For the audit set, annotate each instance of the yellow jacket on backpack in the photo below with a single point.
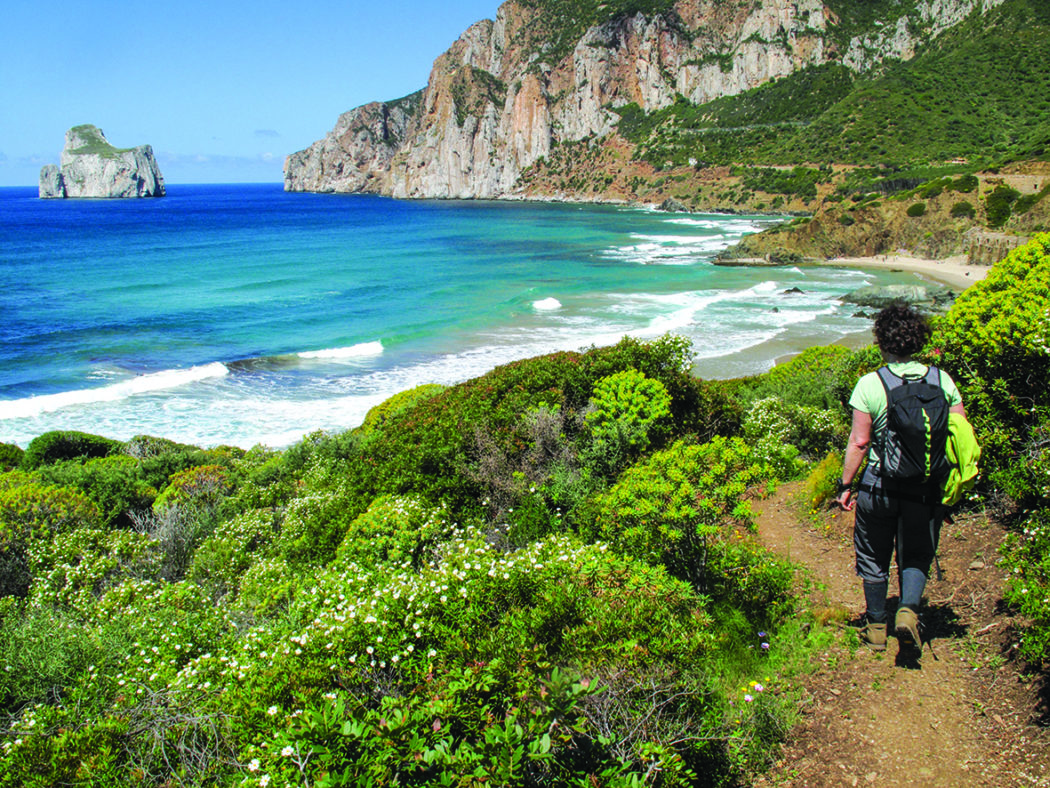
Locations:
(963, 453)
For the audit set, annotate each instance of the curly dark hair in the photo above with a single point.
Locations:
(901, 331)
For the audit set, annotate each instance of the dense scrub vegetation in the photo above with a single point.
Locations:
(543, 576)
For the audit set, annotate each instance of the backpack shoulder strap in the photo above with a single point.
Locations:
(889, 380)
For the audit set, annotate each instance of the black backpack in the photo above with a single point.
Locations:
(913, 447)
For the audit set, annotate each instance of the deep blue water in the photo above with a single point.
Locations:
(242, 314)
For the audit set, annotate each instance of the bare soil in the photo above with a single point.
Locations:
(962, 712)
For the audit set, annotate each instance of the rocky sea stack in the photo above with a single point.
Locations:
(92, 167)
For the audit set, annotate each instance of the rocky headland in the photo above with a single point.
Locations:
(802, 108)
(512, 91)
(92, 167)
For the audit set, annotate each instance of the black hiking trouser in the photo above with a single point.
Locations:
(888, 515)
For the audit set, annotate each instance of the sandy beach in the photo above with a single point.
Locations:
(955, 272)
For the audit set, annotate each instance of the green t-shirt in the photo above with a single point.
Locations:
(869, 395)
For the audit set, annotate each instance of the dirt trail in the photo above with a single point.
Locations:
(961, 713)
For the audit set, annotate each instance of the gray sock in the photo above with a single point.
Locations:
(913, 583)
(875, 599)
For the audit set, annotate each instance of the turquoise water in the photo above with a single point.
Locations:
(243, 315)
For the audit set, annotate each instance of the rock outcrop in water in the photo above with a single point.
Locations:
(543, 74)
(92, 167)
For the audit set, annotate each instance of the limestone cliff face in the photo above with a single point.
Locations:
(496, 102)
(355, 155)
(91, 167)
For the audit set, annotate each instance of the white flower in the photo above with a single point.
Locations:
(264, 781)
(287, 752)
(253, 765)
(272, 710)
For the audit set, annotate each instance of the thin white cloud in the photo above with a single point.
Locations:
(267, 133)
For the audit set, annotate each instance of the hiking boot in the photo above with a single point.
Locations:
(873, 635)
(907, 626)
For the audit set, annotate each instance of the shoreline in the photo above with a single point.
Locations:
(955, 271)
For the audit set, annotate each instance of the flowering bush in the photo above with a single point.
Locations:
(224, 556)
(396, 530)
(77, 568)
(1026, 558)
(32, 512)
(772, 425)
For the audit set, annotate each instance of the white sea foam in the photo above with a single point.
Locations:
(143, 384)
(546, 304)
(361, 350)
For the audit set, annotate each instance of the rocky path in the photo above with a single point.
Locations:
(961, 713)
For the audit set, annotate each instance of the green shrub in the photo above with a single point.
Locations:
(34, 512)
(997, 335)
(431, 448)
(846, 220)
(822, 483)
(627, 414)
(772, 424)
(932, 190)
(313, 528)
(996, 339)
(113, 483)
(998, 206)
(671, 509)
(227, 553)
(75, 569)
(916, 209)
(816, 377)
(66, 445)
(10, 456)
(965, 183)
(395, 529)
(43, 652)
(1026, 560)
(268, 586)
(963, 210)
(378, 416)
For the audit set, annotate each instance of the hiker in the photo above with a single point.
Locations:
(893, 510)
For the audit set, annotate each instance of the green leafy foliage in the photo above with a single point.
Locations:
(115, 484)
(821, 485)
(625, 417)
(1026, 559)
(820, 377)
(998, 205)
(395, 530)
(997, 335)
(10, 456)
(31, 512)
(676, 508)
(916, 209)
(66, 445)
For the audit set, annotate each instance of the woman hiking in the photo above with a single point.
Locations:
(893, 509)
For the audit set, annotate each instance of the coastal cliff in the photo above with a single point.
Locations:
(92, 167)
(512, 92)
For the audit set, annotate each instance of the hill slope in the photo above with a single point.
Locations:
(647, 84)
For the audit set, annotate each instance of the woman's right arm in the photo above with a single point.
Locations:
(856, 448)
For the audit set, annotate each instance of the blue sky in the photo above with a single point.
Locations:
(223, 91)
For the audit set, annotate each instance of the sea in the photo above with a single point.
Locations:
(245, 315)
